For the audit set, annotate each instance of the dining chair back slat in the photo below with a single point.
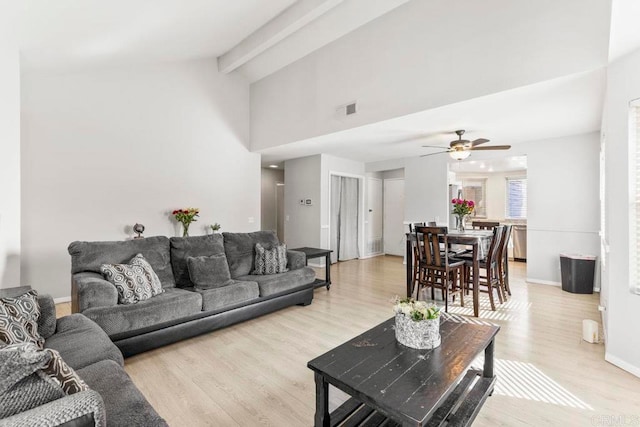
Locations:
(484, 225)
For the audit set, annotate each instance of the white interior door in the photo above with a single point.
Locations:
(393, 222)
(374, 216)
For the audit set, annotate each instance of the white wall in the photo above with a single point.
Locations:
(269, 179)
(301, 182)
(104, 149)
(426, 189)
(563, 207)
(623, 308)
(9, 160)
(400, 64)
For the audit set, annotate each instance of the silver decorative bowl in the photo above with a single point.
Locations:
(423, 334)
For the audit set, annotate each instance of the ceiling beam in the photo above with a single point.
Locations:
(288, 22)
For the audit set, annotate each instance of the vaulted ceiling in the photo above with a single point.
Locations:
(262, 39)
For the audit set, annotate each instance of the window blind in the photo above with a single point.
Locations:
(516, 198)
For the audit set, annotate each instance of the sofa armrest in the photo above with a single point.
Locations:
(79, 410)
(90, 290)
(296, 259)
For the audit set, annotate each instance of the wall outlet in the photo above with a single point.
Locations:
(286, 218)
(251, 220)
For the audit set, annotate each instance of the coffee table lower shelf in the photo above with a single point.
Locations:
(459, 409)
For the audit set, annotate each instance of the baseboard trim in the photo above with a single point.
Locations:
(372, 255)
(635, 370)
(543, 282)
(62, 300)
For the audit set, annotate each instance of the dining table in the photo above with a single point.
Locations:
(479, 242)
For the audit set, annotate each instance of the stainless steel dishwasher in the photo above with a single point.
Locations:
(520, 242)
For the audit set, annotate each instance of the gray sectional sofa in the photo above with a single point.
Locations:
(113, 399)
(183, 311)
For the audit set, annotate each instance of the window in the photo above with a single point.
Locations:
(475, 189)
(516, 198)
(634, 223)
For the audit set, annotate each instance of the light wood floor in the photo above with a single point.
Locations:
(255, 373)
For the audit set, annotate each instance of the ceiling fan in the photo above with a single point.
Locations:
(461, 148)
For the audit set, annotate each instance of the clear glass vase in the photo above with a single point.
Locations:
(185, 230)
(460, 222)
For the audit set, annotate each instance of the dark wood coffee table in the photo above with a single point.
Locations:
(394, 385)
(319, 253)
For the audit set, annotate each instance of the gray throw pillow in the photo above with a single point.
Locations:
(270, 260)
(19, 319)
(135, 281)
(208, 272)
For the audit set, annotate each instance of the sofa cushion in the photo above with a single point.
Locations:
(281, 283)
(124, 403)
(89, 256)
(235, 293)
(208, 272)
(81, 342)
(195, 246)
(132, 282)
(174, 304)
(240, 250)
(271, 260)
(47, 320)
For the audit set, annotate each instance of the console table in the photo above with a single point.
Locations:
(319, 253)
(394, 385)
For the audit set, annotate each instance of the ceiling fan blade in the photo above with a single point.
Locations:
(479, 141)
(491, 147)
(433, 154)
(435, 146)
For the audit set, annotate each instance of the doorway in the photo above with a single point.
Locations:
(344, 237)
(393, 217)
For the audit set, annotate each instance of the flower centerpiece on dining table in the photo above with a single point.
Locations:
(186, 217)
(462, 208)
(417, 323)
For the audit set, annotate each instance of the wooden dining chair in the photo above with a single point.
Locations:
(412, 226)
(503, 261)
(490, 280)
(484, 225)
(436, 269)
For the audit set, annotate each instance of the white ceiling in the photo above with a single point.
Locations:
(84, 33)
(560, 107)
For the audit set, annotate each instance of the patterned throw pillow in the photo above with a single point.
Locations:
(133, 281)
(19, 319)
(156, 286)
(63, 374)
(270, 260)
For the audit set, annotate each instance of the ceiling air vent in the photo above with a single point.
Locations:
(351, 109)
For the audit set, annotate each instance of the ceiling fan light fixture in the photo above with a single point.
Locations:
(460, 154)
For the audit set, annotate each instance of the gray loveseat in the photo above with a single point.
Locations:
(182, 311)
(86, 348)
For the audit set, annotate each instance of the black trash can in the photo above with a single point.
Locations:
(578, 272)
